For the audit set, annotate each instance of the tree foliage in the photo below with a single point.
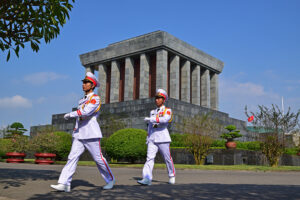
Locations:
(44, 143)
(276, 124)
(201, 131)
(15, 128)
(23, 21)
(273, 119)
(272, 147)
(19, 143)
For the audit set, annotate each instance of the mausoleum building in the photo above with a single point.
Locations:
(131, 70)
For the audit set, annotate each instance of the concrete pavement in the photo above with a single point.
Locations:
(29, 181)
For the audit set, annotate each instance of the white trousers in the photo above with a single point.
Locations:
(164, 149)
(78, 147)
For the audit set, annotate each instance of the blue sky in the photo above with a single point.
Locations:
(258, 40)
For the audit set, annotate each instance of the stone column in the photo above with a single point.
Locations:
(115, 82)
(161, 69)
(205, 89)
(196, 85)
(129, 76)
(174, 77)
(102, 76)
(214, 91)
(185, 81)
(89, 69)
(144, 76)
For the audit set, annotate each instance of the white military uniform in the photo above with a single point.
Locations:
(159, 139)
(86, 135)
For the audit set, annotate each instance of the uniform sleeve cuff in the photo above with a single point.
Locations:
(74, 114)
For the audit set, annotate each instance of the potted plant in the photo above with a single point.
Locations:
(44, 144)
(17, 148)
(230, 135)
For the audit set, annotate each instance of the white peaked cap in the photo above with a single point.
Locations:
(161, 93)
(91, 77)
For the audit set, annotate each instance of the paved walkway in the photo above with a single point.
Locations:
(29, 181)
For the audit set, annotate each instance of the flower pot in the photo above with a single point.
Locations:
(230, 145)
(15, 157)
(44, 158)
(298, 154)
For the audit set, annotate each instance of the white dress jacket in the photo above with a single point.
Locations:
(158, 125)
(86, 126)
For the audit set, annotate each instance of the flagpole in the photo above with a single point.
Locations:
(282, 107)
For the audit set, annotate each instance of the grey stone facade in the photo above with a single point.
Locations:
(164, 62)
(133, 113)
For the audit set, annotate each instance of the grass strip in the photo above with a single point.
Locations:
(184, 166)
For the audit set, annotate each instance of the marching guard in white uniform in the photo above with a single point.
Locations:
(158, 138)
(86, 135)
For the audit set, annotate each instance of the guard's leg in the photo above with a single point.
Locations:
(148, 167)
(94, 147)
(69, 169)
(164, 149)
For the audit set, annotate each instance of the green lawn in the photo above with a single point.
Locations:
(183, 166)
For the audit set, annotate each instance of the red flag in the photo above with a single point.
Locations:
(251, 118)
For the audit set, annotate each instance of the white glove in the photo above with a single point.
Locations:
(67, 116)
(152, 119)
(147, 119)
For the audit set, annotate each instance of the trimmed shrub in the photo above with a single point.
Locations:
(5, 144)
(292, 151)
(177, 140)
(128, 144)
(19, 143)
(44, 143)
(103, 142)
(63, 146)
(253, 146)
(218, 143)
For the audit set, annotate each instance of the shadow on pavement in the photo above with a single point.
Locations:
(181, 191)
(18, 177)
(77, 183)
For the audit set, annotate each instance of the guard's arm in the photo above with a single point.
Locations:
(164, 119)
(88, 109)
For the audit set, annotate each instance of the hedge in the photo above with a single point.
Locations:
(4, 146)
(128, 144)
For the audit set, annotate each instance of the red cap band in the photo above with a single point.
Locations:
(93, 81)
(160, 94)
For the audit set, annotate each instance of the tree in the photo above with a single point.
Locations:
(23, 21)
(274, 120)
(201, 131)
(16, 128)
(275, 124)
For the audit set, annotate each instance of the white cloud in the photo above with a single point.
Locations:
(15, 102)
(234, 96)
(240, 90)
(41, 100)
(42, 77)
